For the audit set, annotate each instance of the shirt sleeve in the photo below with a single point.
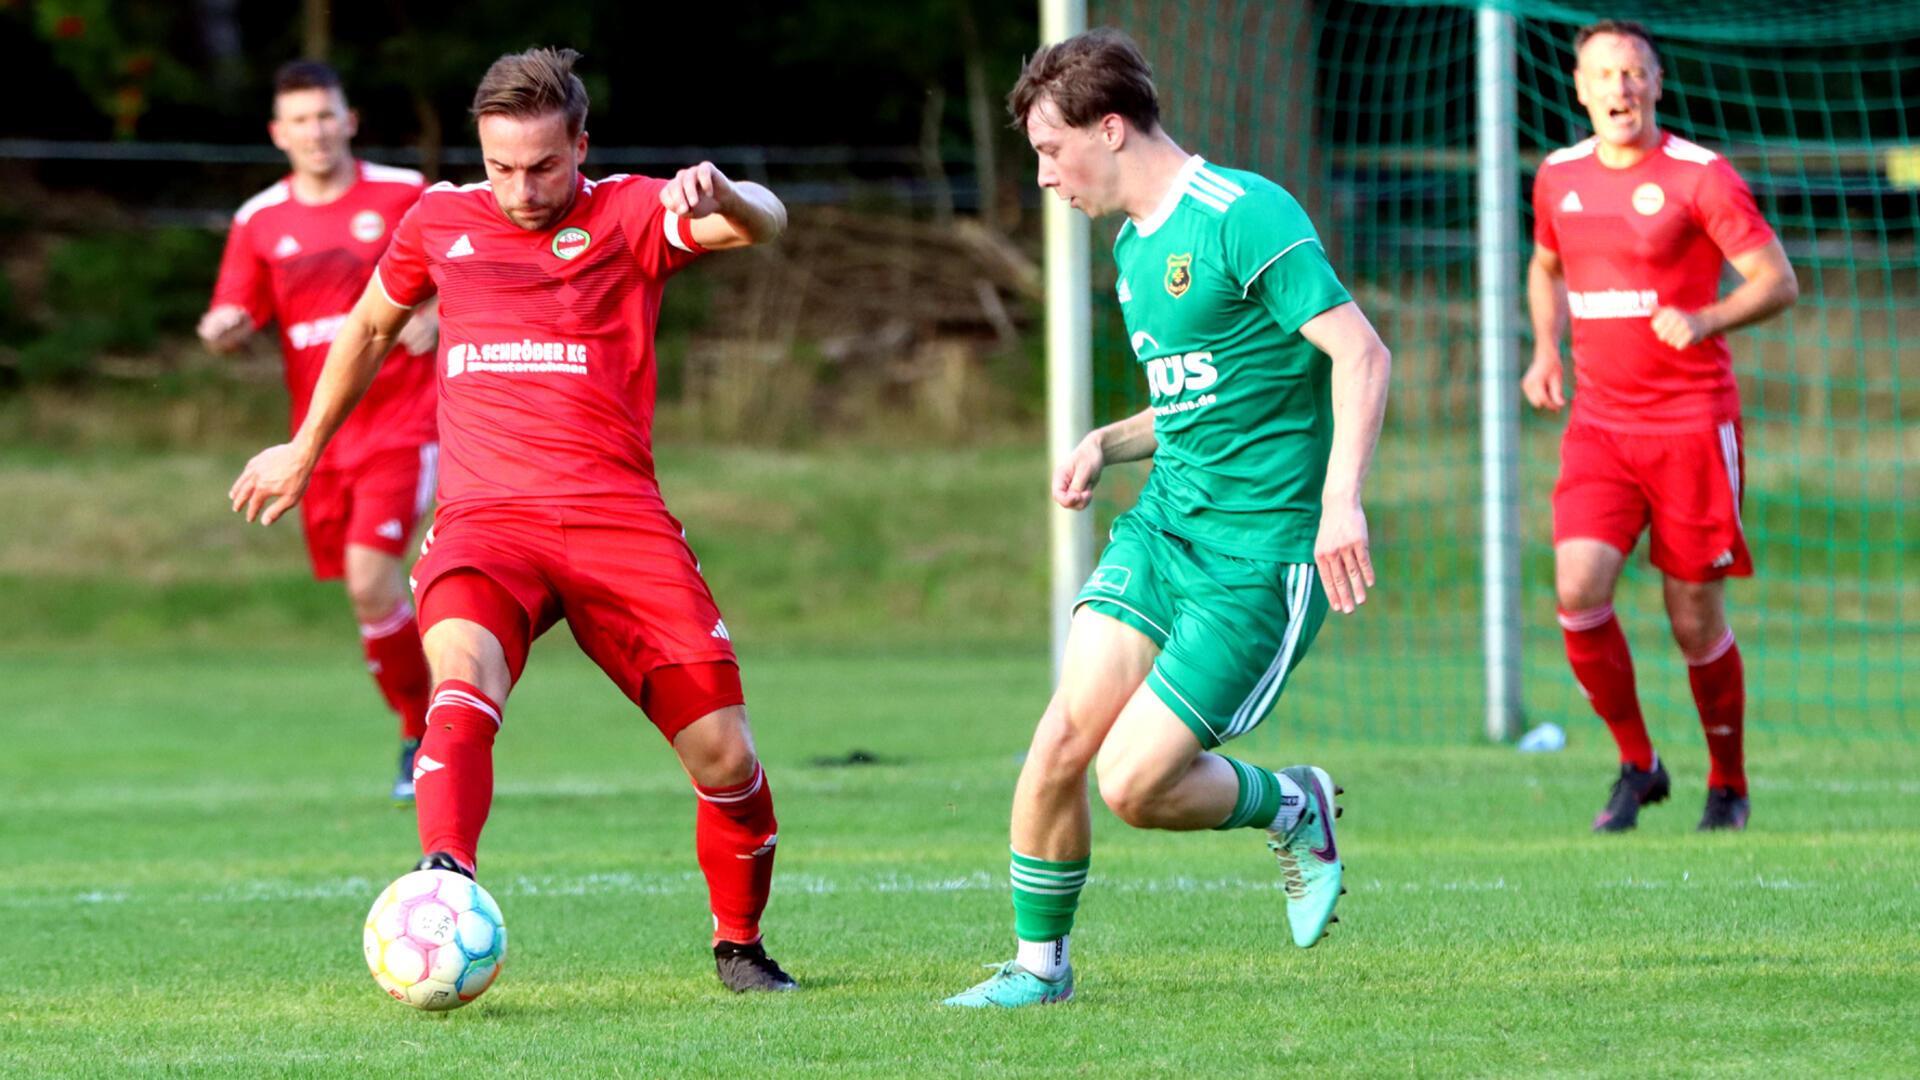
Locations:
(243, 277)
(662, 242)
(1543, 233)
(1274, 254)
(1724, 206)
(403, 273)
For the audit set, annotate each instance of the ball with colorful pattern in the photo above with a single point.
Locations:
(434, 940)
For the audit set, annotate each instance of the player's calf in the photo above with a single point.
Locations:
(453, 770)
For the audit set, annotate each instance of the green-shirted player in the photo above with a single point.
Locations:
(1268, 386)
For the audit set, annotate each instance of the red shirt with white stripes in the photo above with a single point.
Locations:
(546, 338)
(1655, 234)
(303, 267)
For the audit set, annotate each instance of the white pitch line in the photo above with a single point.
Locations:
(691, 883)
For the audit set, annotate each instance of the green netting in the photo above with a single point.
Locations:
(1368, 113)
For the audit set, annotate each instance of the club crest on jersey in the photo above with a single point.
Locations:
(569, 243)
(367, 226)
(1648, 199)
(1179, 274)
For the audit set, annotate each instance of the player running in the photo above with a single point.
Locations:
(298, 254)
(1631, 227)
(550, 286)
(1268, 386)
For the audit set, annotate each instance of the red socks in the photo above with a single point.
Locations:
(1598, 652)
(399, 667)
(1720, 692)
(734, 832)
(453, 771)
(1604, 667)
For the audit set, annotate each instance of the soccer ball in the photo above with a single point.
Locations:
(434, 940)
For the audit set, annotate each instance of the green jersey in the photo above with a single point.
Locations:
(1215, 286)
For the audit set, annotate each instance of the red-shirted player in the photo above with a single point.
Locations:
(1631, 229)
(299, 254)
(550, 288)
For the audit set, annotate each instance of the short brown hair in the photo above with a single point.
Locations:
(534, 83)
(1618, 28)
(305, 75)
(1088, 76)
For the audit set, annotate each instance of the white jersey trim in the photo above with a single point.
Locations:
(1171, 200)
(429, 478)
(1581, 149)
(383, 292)
(448, 186)
(670, 224)
(1270, 262)
(1730, 459)
(391, 174)
(273, 196)
(1683, 150)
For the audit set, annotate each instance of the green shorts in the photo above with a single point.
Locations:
(1230, 630)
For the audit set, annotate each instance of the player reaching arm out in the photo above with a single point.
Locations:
(275, 478)
(724, 214)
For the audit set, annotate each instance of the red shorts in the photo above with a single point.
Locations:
(1613, 485)
(623, 578)
(373, 504)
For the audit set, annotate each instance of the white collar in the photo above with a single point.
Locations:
(1171, 200)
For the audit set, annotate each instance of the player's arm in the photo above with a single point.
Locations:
(238, 293)
(1544, 382)
(421, 334)
(1361, 369)
(1767, 287)
(274, 480)
(724, 213)
(1123, 440)
(225, 328)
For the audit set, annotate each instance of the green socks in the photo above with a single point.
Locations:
(1267, 799)
(1045, 896)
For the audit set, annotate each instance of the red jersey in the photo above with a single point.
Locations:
(546, 338)
(1631, 241)
(304, 267)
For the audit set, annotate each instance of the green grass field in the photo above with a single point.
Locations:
(192, 821)
(192, 837)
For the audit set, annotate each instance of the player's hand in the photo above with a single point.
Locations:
(1346, 565)
(1074, 480)
(225, 328)
(697, 191)
(1543, 383)
(1679, 329)
(275, 479)
(421, 335)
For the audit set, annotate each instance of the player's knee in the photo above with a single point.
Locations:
(374, 599)
(460, 650)
(728, 765)
(1696, 632)
(1130, 798)
(1132, 789)
(1061, 748)
(717, 749)
(1579, 592)
(1694, 613)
